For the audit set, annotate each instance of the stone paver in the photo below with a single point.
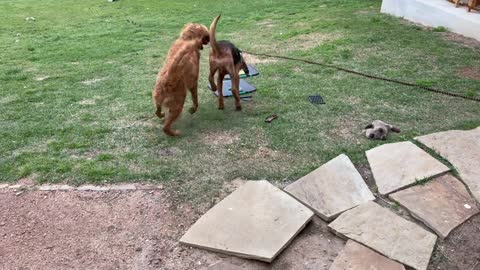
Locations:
(397, 165)
(256, 221)
(93, 188)
(355, 256)
(442, 204)
(54, 187)
(387, 233)
(123, 187)
(331, 189)
(462, 149)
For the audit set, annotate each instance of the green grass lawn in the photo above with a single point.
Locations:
(81, 123)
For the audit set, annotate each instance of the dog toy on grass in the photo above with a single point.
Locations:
(378, 130)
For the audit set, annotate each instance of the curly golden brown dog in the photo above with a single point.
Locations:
(179, 74)
(226, 59)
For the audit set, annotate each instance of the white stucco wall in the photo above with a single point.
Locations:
(436, 13)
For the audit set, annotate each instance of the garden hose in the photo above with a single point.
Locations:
(439, 91)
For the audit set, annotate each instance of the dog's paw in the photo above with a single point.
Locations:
(221, 107)
(192, 110)
(238, 108)
(172, 132)
(160, 115)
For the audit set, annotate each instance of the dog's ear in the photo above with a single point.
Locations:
(369, 126)
(395, 129)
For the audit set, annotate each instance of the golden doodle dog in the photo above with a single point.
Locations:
(226, 59)
(179, 74)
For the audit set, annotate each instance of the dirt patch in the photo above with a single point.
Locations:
(469, 72)
(461, 40)
(41, 78)
(366, 173)
(169, 152)
(91, 154)
(87, 102)
(7, 99)
(347, 128)
(221, 138)
(253, 60)
(93, 81)
(366, 12)
(91, 230)
(265, 152)
(229, 187)
(298, 69)
(312, 40)
(27, 180)
(461, 250)
(298, 42)
(39, 147)
(266, 23)
(127, 230)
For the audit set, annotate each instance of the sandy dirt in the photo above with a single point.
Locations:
(125, 230)
(140, 230)
(470, 73)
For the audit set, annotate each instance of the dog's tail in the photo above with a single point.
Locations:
(213, 41)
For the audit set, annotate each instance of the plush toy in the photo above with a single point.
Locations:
(378, 130)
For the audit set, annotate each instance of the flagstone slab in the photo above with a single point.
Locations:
(397, 165)
(257, 221)
(355, 256)
(442, 204)
(331, 189)
(462, 149)
(387, 233)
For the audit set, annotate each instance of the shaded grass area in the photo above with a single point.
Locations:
(84, 122)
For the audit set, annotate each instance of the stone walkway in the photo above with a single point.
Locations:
(462, 150)
(257, 221)
(331, 189)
